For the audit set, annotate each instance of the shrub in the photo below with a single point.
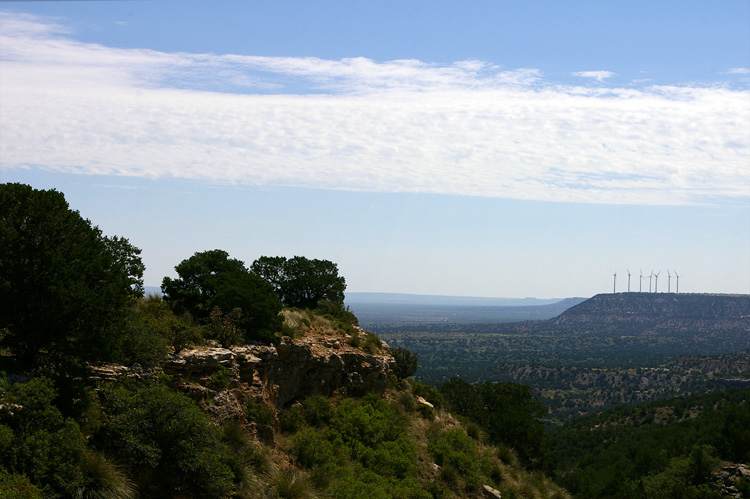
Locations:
(426, 412)
(318, 410)
(104, 478)
(407, 362)
(428, 392)
(407, 401)
(141, 344)
(168, 441)
(456, 448)
(225, 328)
(372, 343)
(39, 441)
(292, 419)
(310, 448)
(179, 331)
(370, 422)
(395, 458)
(17, 486)
(289, 484)
(221, 377)
(354, 340)
(456, 453)
(337, 310)
(259, 412)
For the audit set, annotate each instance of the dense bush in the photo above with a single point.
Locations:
(259, 412)
(39, 442)
(318, 410)
(180, 331)
(166, 440)
(17, 486)
(430, 393)
(360, 446)
(456, 453)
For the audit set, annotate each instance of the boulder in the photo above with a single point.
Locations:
(490, 493)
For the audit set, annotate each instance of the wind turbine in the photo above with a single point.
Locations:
(614, 284)
(669, 282)
(628, 280)
(640, 283)
(649, 281)
(678, 280)
(656, 284)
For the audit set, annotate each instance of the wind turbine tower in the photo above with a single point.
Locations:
(656, 284)
(649, 281)
(640, 283)
(614, 284)
(669, 282)
(628, 280)
(678, 281)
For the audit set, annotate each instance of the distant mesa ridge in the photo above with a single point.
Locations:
(659, 311)
(378, 308)
(416, 299)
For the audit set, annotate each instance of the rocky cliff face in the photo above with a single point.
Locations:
(221, 380)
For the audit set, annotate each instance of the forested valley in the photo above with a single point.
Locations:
(607, 351)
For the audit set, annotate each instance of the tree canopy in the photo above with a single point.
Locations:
(302, 282)
(508, 412)
(62, 283)
(211, 279)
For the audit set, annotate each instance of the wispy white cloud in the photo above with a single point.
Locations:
(739, 71)
(595, 75)
(467, 128)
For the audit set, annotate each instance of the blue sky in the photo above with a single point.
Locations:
(503, 149)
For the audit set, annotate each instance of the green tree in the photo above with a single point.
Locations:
(66, 289)
(211, 279)
(302, 282)
(514, 417)
(407, 362)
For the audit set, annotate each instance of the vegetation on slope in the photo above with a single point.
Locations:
(668, 448)
(79, 302)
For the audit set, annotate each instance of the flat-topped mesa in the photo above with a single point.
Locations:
(660, 310)
(290, 372)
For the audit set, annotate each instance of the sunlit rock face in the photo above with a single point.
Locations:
(277, 376)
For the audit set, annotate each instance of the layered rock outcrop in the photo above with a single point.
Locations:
(222, 379)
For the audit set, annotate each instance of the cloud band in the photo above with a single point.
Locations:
(467, 128)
